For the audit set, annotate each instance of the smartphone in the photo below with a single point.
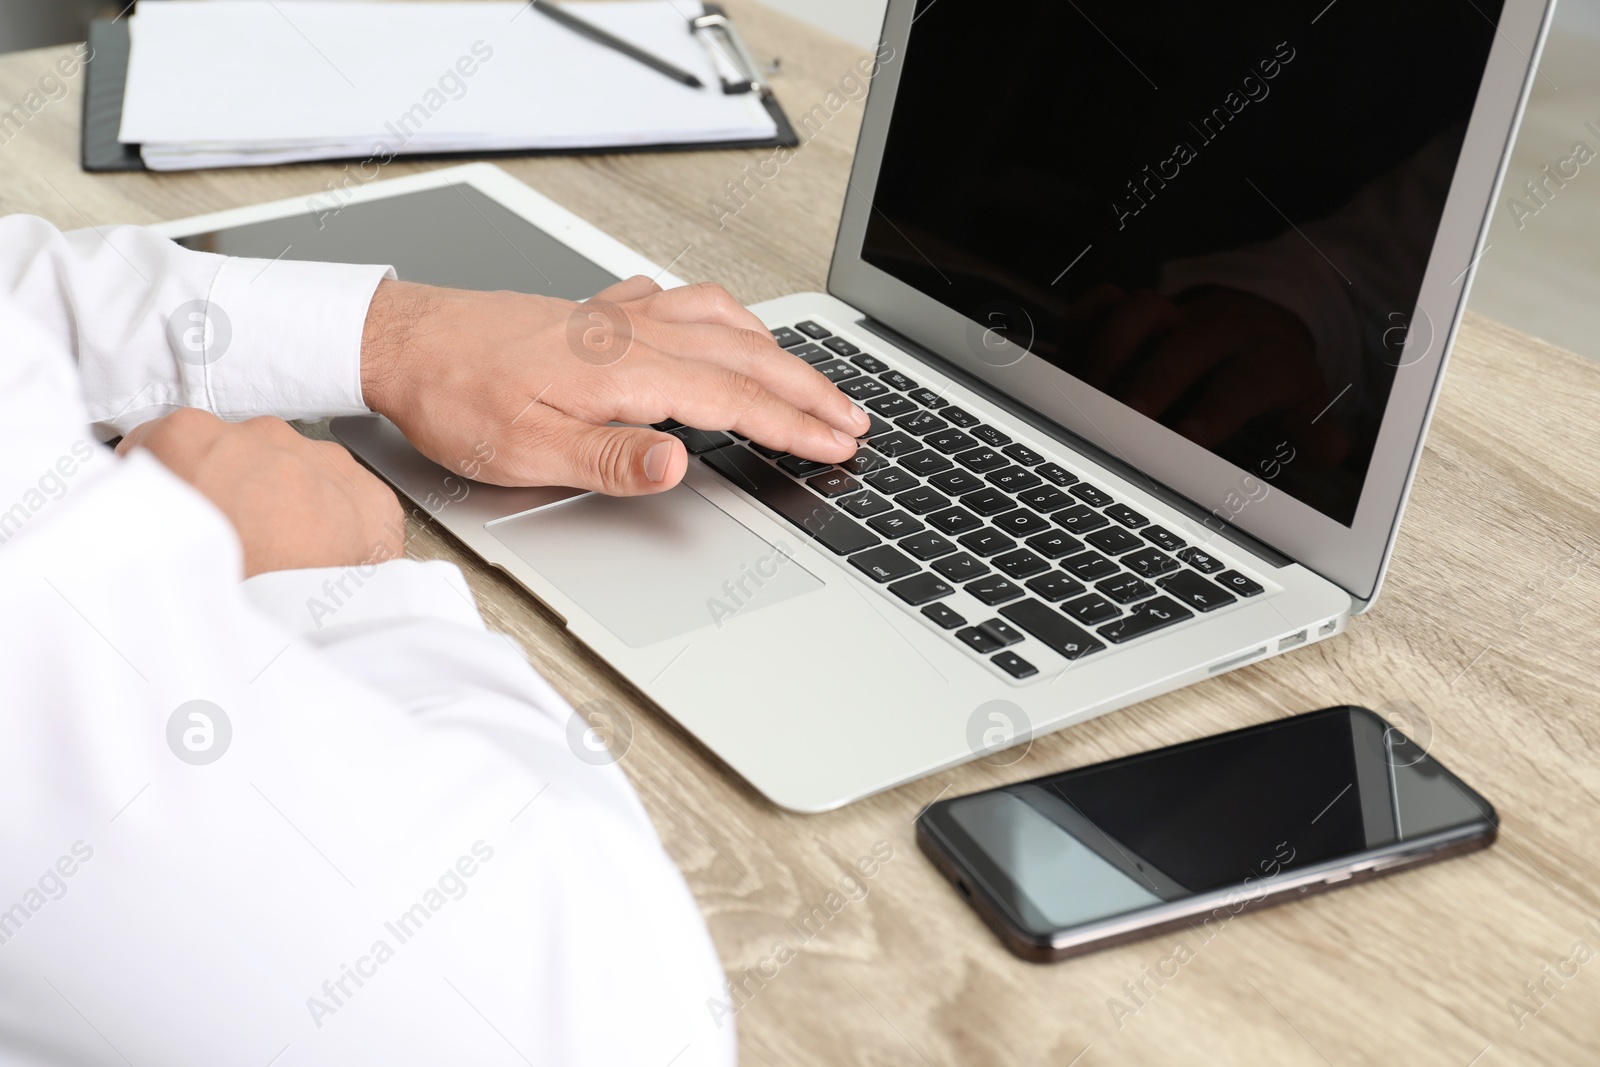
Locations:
(1193, 834)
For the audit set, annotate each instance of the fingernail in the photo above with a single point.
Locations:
(863, 421)
(844, 439)
(656, 460)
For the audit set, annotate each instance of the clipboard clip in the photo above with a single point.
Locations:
(739, 71)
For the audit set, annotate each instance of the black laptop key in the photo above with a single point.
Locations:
(770, 453)
(1014, 665)
(961, 567)
(1091, 609)
(836, 531)
(981, 460)
(1114, 541)
(1022, 454)
(1148, 617)
(892, 406)
(895, 444)
(1056, 473)
(1002, 631)
(876, 427)
(865, 505)
(1089, 567)
(1150, 563)
(1021, 523)
(1162, 537)
(885, 563)
(1019, 564)
(921, 423)
(954, 521)
(1055, 586)
(862, 388)
(891, 480)
(1014, 479)
(951, 441)
(1193, 591)
(813, 330)
(869, 363)
(977, 640)
(895, 380)
(787, 338)
(1055, 544)
(920, 589)
(802, 468)
(1235, 582)
(960, 416)
(1127, 516)
(1094, 497)
(956, 482)
(994, 589)
(986, 542)
(666, 424)
(839, 346)
(895, 524)
(836, 370)
(925, 462)
(1045, 499)
(927, 545)
(926, 397)
(701, 441)
(921, 500)
(944, 616)
(865, 461)
(988, 502)
(1055, 631)
(990, 436)
(811, 353)
(833, 483)
(1080, 520)
(1125, 588)
(1204, 562)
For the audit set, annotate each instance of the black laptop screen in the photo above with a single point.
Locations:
(1217, 214)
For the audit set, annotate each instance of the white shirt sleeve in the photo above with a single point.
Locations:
(156, 326)
(373, 842)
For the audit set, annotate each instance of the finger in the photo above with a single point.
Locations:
(615, 460)
(1142, 317)
(1180, 359)
(131, 439)
(704, 302)
(635, 288)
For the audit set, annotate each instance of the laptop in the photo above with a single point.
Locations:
(1150, 310)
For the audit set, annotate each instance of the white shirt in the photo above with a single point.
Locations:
(398, 858)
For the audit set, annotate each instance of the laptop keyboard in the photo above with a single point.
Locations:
(1004, 551)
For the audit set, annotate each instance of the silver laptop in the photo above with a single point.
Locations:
(1150, 314)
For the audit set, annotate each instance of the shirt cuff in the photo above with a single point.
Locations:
(315, 599)
(284, 338)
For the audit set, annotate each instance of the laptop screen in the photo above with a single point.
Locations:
(1218, 215)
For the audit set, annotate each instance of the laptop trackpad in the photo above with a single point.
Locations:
(653, 567)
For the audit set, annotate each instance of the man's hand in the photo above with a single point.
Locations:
(536, 380)
(294, 502)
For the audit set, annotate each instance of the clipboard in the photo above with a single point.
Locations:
(106, 75)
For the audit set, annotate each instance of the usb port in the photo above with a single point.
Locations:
(1292, 640)
(1327, 628)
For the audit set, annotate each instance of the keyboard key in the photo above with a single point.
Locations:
(993, 590)
(1127, 516)
(1014, 665)
(919, 589)
(927, 545)
(921, 500)
(1090, 495)
(699, 441)
(786, 337)
(1020, 564)
(1057, 633)
(1149, 563)
(990, 436)
(895, 380)
(1125, 588)
(1014, 479)
(1191, 590)
(1114, 541)
(833, 483)
(812, 330)
(1055, 544)
(1080, 520)
(944, 616)
(1021, 523)
(926, 397)
(975, 639)
(876, 427)
(1235, 582)
(770, 453)
(959, 416)
(1161, 537)
(1045, 499)
(1023, 454)
(1055, 586)
(1056, 473)
(920, 423)
(864, 505)
(1091, 609)
(1148, 617)
(988, 502)
(891, 406)
(891, 480)
(801, 468)
(870, 363)
(839, 346)
(954, 521)
(896, 444)
(836, 371)
(895, 524)
(1204, 562)
(986, 542)
(960, 567)
(1002, 631)
(951, 441)
(925, 462)
(956, 482)
(1089, 567)
(835, 530)
(981, 460)
(884, 564)
(811, 353)
(865, 461)
(862, 388)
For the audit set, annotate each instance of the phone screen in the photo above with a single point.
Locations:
(1221, 813)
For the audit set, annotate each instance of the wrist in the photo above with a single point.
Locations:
(389, 341)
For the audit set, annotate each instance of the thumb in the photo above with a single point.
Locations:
(614, 460)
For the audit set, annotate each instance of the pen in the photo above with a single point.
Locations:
(596, 34)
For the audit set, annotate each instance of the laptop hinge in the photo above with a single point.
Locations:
(1167, 495)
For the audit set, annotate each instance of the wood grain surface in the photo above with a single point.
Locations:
(1484, 639)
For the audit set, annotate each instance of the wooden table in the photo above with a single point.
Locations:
(1486, 628)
